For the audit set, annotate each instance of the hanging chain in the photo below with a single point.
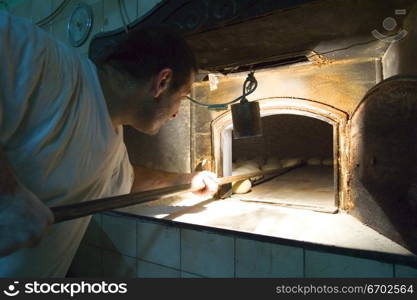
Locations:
(249, 86)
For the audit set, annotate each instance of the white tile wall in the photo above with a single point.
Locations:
(112, 17)
(189, 275)
(93, 1)
(4, 6)
(87, 262)
(177, 159)
(97, 7)
(260, 259)
(40, 9)
(146, 5)
(205, 254)
(405, 271)
(22, 9)
(117, 265)
(119, 234)
(320, 264)
(150, 270)
(106, 15)
(56, 3)
(59, 25)
(158, 243)
(208, 254)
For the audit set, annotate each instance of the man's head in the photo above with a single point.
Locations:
(157, 69)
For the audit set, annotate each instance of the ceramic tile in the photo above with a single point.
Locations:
(260, 259)
(145, 6)
(405, 271)
(21, 9)
(206, 253)
(41, 9)
(59, 25)
(189, 275)
(119, 234)
(321, 264)
(150, 270)
(112, 19)
(97, 25)
(117, 265)
(158, 243)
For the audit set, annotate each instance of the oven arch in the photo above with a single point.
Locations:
(221, 134)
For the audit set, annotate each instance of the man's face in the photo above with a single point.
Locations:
(166, 108)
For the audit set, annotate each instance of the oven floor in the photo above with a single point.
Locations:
(309, 187)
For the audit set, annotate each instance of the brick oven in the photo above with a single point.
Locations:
(328, 109)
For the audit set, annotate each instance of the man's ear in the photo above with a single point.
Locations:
(162, 81)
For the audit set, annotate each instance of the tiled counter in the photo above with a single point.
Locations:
(121, 246)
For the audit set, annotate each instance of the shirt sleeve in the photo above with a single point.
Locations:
(16, 39)
(3, 77)
(33, 67)
(1, 116)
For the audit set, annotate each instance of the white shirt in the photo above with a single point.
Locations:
(58, 136)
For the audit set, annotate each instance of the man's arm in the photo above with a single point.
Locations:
(205, 183)
(149, 179)
(23, 217)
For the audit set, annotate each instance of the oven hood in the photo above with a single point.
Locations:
(226, 34)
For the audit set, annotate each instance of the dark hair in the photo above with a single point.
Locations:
(145, 52)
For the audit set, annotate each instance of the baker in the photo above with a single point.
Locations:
(61, 136)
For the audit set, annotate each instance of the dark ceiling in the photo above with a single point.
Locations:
(230, 33)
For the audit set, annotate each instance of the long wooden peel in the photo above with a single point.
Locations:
(78, 210)
(275, 172)
(82, 209)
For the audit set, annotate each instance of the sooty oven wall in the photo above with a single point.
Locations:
(168, 150)
(340, 84)
(287, 136)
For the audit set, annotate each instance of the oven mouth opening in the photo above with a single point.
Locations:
(303, 127)
(303, 146)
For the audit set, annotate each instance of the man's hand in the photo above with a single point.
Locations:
(24, 219)
(205, 183)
